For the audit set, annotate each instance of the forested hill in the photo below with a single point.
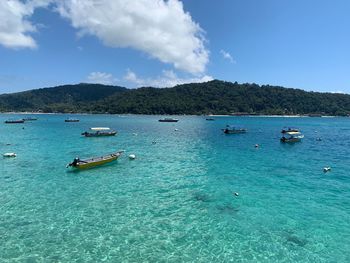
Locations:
(215, 97)
(66, 98)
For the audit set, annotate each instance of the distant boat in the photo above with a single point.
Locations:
(291, 136)
(93, 162)
(210, 119)
(289, 129)
(30, 119)
(71, 120)
(14, 121)
(99, 132)
(168, 120)
(7, 155)
(233, 130)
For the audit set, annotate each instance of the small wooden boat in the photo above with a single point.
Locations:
(93, 162)
(14, 121)
(168, 120)
(99, 132)
(71, 120)
(233, 130)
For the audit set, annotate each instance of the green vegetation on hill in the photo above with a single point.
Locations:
(67, 98)
(215, 97)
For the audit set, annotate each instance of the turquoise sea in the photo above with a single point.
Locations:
(175, 202)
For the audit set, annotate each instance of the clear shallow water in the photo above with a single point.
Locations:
(175, 202)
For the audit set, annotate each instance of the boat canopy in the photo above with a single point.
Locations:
(293, 133)
(99, 128)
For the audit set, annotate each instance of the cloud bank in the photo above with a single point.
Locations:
(159, 28)
(14, 24)
(167, 79)
(101, 78)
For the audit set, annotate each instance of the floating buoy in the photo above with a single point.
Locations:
(176, 129)
(9, 155)
(135, 134)
(326, 169)
(154, 142)
(256, 145)
(132, 156)
(236, 194)
(318, 139)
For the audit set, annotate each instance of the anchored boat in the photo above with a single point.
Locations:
(9, 155)
(71, 120)
(233, 130)
(289, 129)
(30, 118)
(291, 136)
(168, 120)
(95, 161)
(99, 132)
(14, 121)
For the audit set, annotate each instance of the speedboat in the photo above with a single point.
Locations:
(99, 132)
(233, 130)
(95, 161)
(168, 120)
(14, 121)
(291, 137)
(71, 120)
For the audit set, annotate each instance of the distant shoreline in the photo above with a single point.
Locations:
(210, 115)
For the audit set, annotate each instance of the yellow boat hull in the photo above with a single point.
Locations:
(93, 162)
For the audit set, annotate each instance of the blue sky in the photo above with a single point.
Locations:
(296, 44)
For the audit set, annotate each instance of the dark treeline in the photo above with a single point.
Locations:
(214, 97)
(66, 98)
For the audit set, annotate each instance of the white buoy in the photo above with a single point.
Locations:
(256, 145)
(9, 155)
(176, 129)
(236, 194)
(132, 156)
(135, 134)
(326, 169)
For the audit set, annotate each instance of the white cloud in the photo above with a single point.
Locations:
(131, 77)
(161, 29)
(227, 55)
(167, 79)
(338, 92)
(15, 28)
(101, 78)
